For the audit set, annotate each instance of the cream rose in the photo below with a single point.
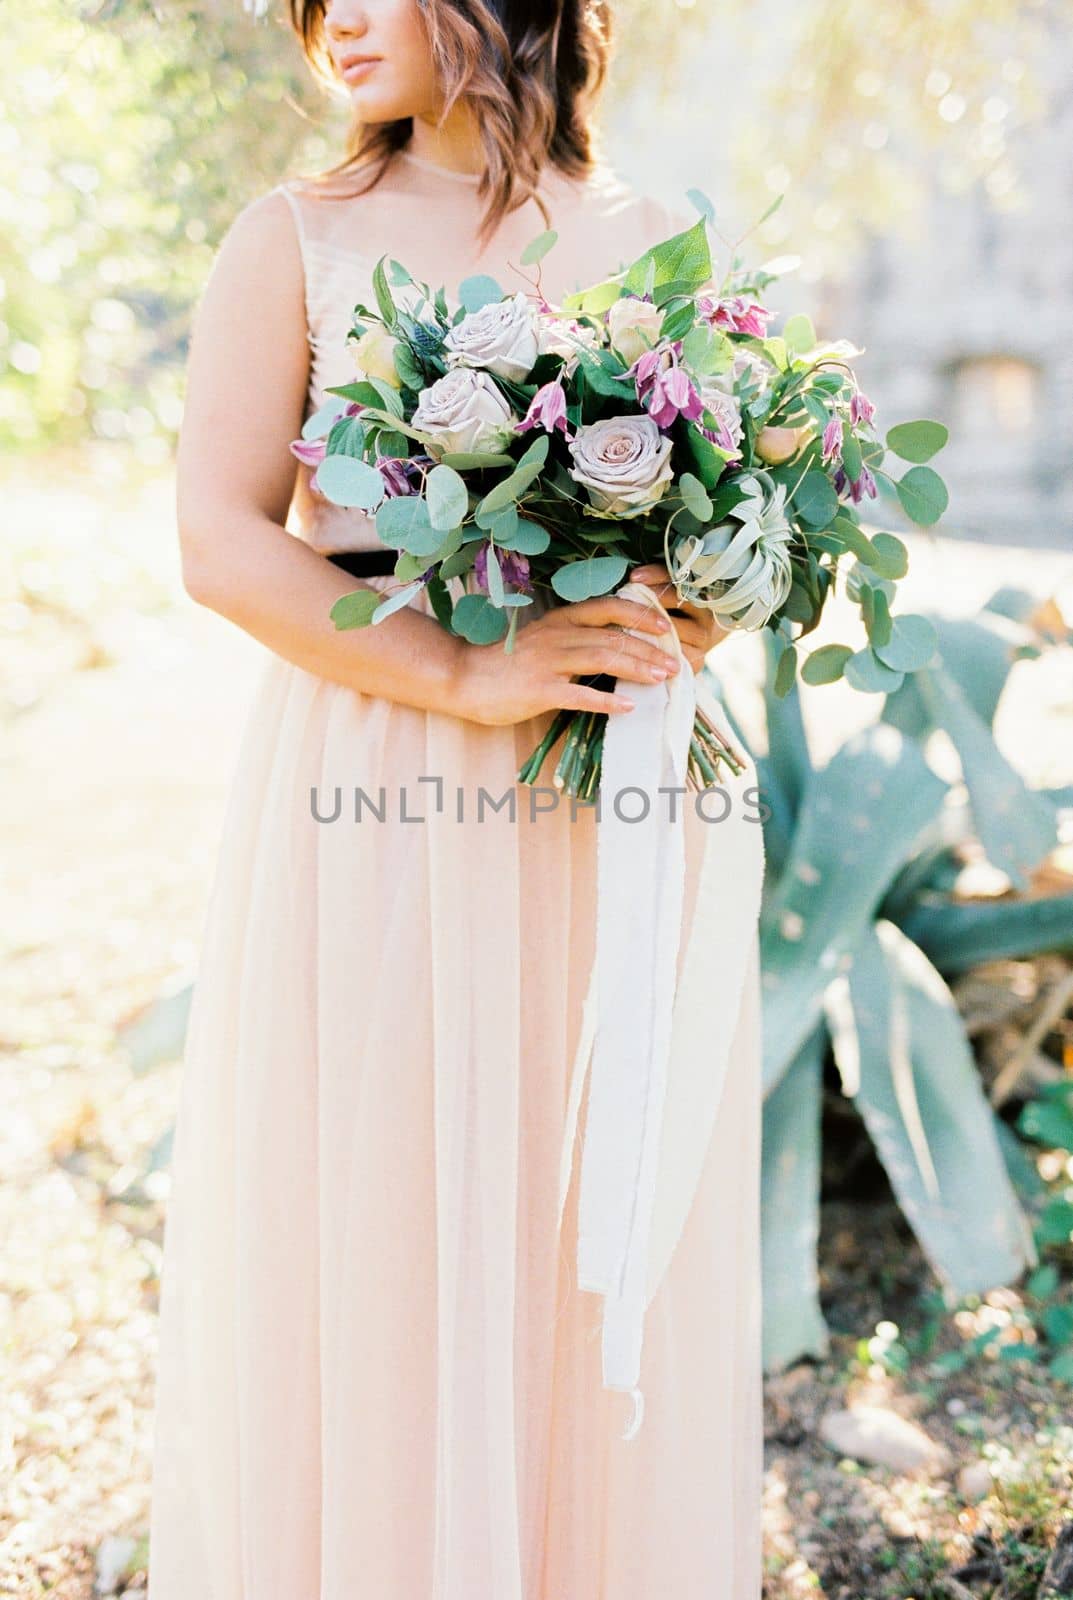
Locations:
(374, 355)
(464, 411)
(633, 326)
(623, 463)
(561, 336)
(501, 337)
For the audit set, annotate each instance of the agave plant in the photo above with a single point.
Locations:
(859, 930)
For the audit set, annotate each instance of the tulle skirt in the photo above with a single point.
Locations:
(378, 1379)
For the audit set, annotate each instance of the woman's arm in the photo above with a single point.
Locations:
(247, 379)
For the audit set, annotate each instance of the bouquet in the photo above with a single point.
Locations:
(510, 448)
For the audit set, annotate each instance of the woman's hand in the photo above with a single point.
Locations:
(697, 628)
(497, 687)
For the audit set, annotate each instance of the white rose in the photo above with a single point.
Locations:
(464, 411)
(374, 355)
(561, 336)
(633, 326)
(623, 462)
(501, 337)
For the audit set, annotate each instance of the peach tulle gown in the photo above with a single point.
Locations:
(378, 1379)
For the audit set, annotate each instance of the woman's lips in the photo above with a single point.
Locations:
(355, 71)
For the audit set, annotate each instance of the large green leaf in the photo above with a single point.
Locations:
(1017, 828)
(901, 1048)
(790, 1211)
(958, 934)
(860, 817)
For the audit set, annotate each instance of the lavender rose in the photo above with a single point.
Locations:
(623, 463)
(464, 411)
(501, 337)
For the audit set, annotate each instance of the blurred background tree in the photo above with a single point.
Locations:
(132, 132)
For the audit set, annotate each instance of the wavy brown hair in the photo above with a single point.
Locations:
(532, 71)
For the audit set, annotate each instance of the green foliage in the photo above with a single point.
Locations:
(128, 144)
(859, 927)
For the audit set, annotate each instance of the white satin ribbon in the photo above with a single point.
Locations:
(659, 1048)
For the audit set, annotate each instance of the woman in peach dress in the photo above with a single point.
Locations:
(379, 1378)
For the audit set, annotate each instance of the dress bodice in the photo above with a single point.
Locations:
(426, 217)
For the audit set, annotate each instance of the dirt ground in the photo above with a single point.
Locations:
(121, 704)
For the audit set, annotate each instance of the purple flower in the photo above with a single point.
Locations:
(395, 471)
(831, 449)
(513, 566)
(736, 314)
(861, 408)
(547, 410)
(857, 487)
(665, 392)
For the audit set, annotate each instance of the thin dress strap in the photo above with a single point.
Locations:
(294, 206)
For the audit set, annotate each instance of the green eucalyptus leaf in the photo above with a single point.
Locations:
(447, 498)
(581, 580)
(355, 610)
(923, 495)
(815, 500)
(477, 291)
(917, 441)
(889, 558)
(826, 664)
(403, 523)
(910, 645)
(695, 496)
(528, 538)
(799, 334)
(346, 481)
(478, 620)
(865, 671)
(538, 248)
(881, 628)
(785, 672)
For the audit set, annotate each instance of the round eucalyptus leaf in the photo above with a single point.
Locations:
(917, 441)
(538, 248)
(403, 523)
(815, 500)
(581, 580)
(323, 419)
(864, 671)
(346, 481)
(478, 620)
(477, 291)
(826, 664)
(695, 496)
(889, 556)
(923, 495)
(355, 610)
(912, 644)
(447, 497)
(528, 538)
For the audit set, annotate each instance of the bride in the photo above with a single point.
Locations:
(379, 1375)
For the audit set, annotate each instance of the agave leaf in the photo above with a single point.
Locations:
(790, 1213)
(978, 654)
(901, 1044)
(860, 817)
(1017, 827)
(960, 934)
(157, 1034)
